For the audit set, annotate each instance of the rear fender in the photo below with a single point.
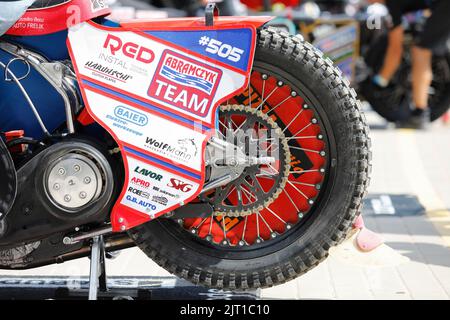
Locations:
(155, 87)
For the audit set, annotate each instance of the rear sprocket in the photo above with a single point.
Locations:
(253, 132)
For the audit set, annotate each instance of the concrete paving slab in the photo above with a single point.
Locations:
(316, 284)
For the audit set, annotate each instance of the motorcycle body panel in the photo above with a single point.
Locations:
(157, 93)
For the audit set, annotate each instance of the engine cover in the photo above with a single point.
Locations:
(69, 184)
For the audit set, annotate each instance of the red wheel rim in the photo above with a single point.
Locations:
(306, 140)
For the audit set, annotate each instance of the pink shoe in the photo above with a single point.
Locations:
(366, 240)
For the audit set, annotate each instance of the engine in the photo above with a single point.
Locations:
(66, 185)
(61, 178)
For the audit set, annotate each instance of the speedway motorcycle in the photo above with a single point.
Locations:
(232, 154)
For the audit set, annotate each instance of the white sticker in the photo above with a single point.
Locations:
(97, 5)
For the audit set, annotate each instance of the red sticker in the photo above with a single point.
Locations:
(185, 83)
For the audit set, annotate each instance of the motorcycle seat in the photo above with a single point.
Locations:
(51, 16)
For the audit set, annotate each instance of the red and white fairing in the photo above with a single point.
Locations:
(157, 93)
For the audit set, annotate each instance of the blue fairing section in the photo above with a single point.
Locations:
(15, 114)
(197, 41)
(14, 110)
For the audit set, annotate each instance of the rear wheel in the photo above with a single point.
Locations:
(276, 222)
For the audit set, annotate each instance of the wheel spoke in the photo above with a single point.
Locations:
(264, 100)
(211, 224)
(263, 90)
(224, 229)
(277, 216)
(249, 194)
(304, 171)
(301, 130)
(303, 183)
(200, 224)
(245, 194)
(304, 149)
(223, 124)
(229, 193)
(239, 194)
(299, 191)
(292, 201)
(265, 222)
(258, 185)
(281, 103)
(257, 226)
(253, 189)
(245, 227)
(295, 118)
(301, 137)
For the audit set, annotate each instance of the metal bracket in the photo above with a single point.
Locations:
(97, 276)
(211, 11)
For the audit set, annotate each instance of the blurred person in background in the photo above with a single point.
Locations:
(196, 7)
(435, 34)
(267, 4)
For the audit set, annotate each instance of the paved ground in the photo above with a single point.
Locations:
(408, 204)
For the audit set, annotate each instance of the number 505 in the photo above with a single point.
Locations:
(224, 50)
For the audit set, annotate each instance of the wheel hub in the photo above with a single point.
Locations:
(260, 138)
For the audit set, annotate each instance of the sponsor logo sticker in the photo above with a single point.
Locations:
(139, 193)
(116, 45)
(180, 185)
(185, 83)
(166, 193)
(148, 173)
(184, 151)
(144, 204)
(131, 116)
(160, 200)
(97, 5)
(140, 182)
(126, 119)
(107, 73)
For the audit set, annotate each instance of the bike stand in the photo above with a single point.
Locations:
(97, 276)
(98, 280)
(98, 284)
